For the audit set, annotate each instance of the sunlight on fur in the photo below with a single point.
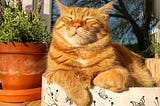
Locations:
(82, 55)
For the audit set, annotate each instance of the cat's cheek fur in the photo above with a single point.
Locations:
(71, 40)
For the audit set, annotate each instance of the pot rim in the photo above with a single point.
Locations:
(20, 92)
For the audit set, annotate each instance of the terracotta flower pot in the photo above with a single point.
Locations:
(22, 65)
(20, 95)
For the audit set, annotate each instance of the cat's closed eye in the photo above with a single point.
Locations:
(89, 19)
(66, 19)
(92, 22)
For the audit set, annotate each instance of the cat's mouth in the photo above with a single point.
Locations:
(76, 33)
(79, 37)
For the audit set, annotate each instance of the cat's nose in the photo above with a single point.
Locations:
(77, 25)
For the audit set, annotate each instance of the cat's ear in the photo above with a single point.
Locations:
(105, 10)
(62, 7)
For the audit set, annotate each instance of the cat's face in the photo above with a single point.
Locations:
(81, 26)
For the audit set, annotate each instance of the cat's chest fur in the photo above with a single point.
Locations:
(82, 61)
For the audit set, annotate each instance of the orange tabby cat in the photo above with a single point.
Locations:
(82, 55)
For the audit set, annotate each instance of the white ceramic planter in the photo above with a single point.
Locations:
(54, 95)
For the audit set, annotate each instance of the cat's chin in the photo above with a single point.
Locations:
(74, 44)
(80, 44)
(78, 40)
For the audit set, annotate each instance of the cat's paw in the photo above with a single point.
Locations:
(115, 81)
(82, 98)
(49, 76)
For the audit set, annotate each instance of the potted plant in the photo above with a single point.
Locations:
(23, 45)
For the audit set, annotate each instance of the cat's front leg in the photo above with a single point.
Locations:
(71, 85)
(115, 79)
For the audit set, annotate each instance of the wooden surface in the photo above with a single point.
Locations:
(154, 66)
(12, 104)
(31, 103)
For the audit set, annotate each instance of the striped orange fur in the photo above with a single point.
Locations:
(82, 56)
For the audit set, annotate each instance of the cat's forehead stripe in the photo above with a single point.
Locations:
(78, 11)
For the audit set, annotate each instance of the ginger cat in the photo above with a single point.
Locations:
(82, 55)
